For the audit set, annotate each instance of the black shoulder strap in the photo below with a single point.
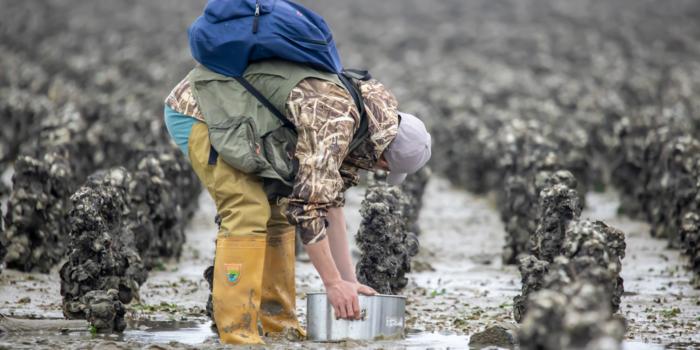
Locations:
(253, 91)
(346, 77)
(357, 74)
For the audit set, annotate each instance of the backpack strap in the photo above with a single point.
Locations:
(253, 91)
(346, 78)
(357, 74)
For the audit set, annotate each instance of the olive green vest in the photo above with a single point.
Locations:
(246, 134)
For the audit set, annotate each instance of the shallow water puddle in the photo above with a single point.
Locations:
(197, 333)
(435, 340)
(633, 345)
(190, 333)
(194, 333)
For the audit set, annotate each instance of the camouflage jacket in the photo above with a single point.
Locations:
(326, 119)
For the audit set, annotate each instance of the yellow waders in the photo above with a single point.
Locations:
(254, 263)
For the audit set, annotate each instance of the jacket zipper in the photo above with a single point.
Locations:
(256, 20)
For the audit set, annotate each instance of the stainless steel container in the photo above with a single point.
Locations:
(383, 318)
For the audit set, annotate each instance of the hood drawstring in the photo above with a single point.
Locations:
(256, 20)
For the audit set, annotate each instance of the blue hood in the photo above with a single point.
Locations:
(229, 36)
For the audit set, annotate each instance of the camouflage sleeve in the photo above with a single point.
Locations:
(182, 100)
(351, 177)
(325, 117)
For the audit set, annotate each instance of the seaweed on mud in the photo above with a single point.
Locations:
(384, 239)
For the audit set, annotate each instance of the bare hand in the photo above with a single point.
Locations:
(343, 297)
(366, 290)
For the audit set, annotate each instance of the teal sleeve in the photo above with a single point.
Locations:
(179, 126)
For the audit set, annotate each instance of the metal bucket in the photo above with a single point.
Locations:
(383, 317)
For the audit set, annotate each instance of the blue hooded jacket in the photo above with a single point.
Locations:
(232, 33)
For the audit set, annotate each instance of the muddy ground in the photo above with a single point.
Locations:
(591, 62)
(458, 286)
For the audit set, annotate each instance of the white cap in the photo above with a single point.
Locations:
(409, 151)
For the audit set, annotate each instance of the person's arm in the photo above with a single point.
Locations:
(341, 294)
(340, 249)
(338, 241)
(325, 119)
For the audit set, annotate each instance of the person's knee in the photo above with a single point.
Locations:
(241, 202)
(278, 223)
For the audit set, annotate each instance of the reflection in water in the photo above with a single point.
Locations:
(436, 340)
(194, 333)
(190, 333)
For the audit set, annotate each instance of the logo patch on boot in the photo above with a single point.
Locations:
(233, 273)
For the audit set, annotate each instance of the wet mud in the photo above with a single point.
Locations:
(513, 91)
(445, 304)
(9, 325)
